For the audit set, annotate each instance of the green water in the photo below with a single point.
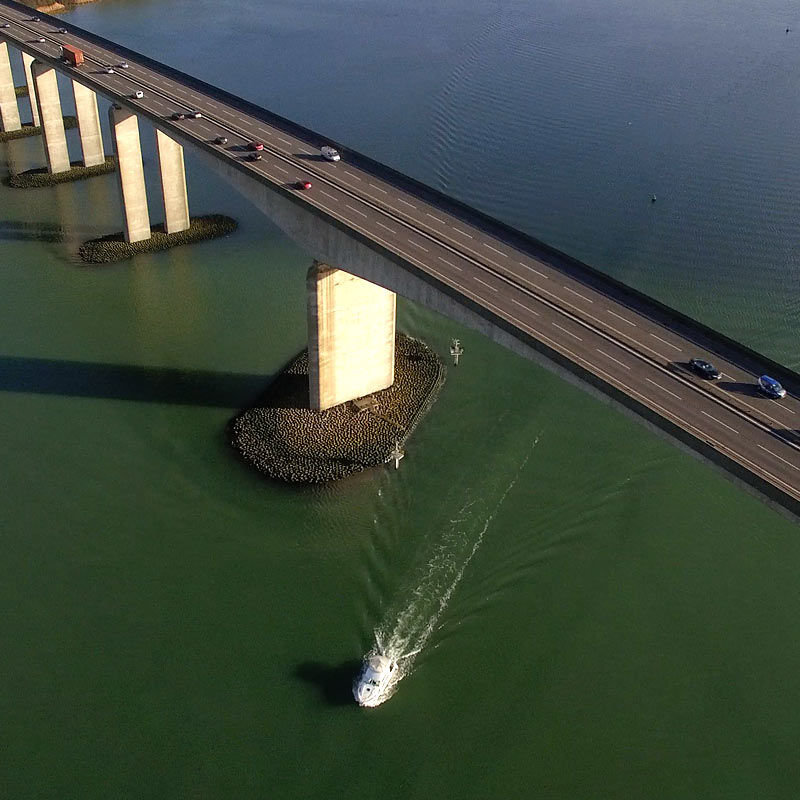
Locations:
(618, 617)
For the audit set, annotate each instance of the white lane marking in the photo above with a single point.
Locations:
(528, 266)
(569, 333)
(280, 169)
(450, 264)
(378, 188)
(329, 196)
(485, 284)
(527, 308)
(718, 421)
(582, 296)
(663, 389)
(386, 227)
(463, 233)
(433, 216)
(400, 200)
(779, 458)
(356, 210)
(285, 141)
(664, 341)
(351, 174)
(499, 252)
(613, 314)
(412, 242)
(602, 353)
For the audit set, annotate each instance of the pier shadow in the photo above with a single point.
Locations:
(132, 383)
(737, 387)
(14, 230)
(335, 683)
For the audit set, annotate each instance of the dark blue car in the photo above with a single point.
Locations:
(771, 387)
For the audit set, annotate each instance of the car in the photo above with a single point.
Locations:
(41, 39)
(123, 65)
(221, 140)
(178, 115)
(254, 156)
(36, 19)
(5, 25)
(109, 70)
(138, 94)
(771, 387)
(62, 30)
(255, 146)
(302, 185)
(193, 115)
(704, 369)
(329, 153)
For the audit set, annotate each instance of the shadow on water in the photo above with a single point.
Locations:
(31, 231)
(335, 683)
(125, 382)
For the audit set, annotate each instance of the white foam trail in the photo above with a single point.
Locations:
(402, 636)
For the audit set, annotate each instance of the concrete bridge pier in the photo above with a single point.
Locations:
(9, 110)
(173, 183)
(27, 60)
(351, 329)
(130, 172)
(88, 125)
(52, 119)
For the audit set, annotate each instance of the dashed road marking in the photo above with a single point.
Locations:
(614, 314)
(569, 333)
(718, 421)
(412, 242)
(668, 344)
(615, 360)
(578, 294)
(352, 208)
(663, 389)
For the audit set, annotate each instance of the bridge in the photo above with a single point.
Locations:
(375, 233)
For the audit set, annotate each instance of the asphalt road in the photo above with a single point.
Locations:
(618, 338)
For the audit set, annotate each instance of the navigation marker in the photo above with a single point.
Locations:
(396, 455)
(456, 350)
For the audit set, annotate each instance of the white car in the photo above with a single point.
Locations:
(329, 153)
(138, 94)
(109, 70)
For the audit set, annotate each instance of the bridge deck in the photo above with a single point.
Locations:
(624, 343)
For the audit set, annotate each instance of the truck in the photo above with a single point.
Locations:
(71, 55)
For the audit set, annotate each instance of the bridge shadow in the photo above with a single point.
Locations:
(737, 387)
(791, 435)
(335, 683)
(133, 383)
(31, 231)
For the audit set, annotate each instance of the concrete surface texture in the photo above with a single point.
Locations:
(130, 172)
(27, 60)
(173, 183)
(9, 110)
(48, 102)
(351, 338)
(88, 125)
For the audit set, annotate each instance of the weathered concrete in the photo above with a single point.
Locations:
(9, 110)
(88, 125)
(128, 149)
(51, 116)
(27, 60)
(173, 183)
(350, 336)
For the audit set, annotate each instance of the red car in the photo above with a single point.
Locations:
(303, 185)
(255, 146)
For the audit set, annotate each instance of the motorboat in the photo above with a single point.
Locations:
(376, 675)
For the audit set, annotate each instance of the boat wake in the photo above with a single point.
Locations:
(408, 624)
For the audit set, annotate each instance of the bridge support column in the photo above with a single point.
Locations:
(27, 60)
(173, 183)
(51, 116)
(9, 110)
(88, 125)
(351, 329)
(130, 172)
